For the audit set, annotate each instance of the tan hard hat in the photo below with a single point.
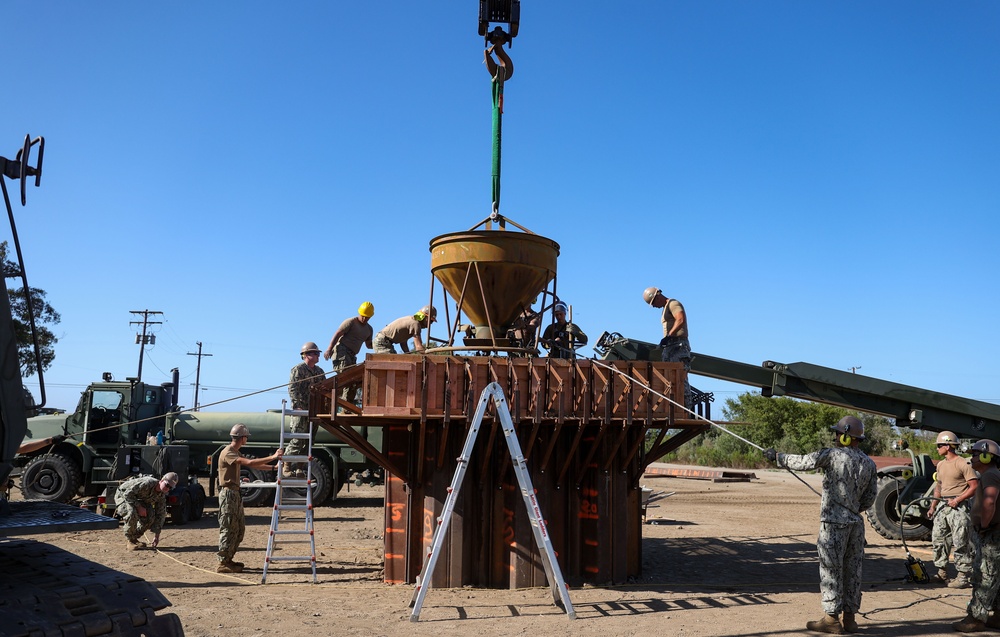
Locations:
(947, 438)
(171, 478)
(427, 311)
(650, 293)
(309, 346)
(239, 430)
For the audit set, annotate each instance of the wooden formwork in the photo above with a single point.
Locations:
(584, 427)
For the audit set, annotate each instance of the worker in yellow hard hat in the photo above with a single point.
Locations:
(349, 337)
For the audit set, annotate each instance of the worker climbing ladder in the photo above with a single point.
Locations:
(292, 495)
(560, 593)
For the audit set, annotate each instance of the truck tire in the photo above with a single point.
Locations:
(323, 488)
(181, 512)
(254, 497)
(197, 502)
(884, 516)
(52, 477)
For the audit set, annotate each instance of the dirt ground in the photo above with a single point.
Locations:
(733, 558)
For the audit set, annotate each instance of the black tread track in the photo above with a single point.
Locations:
(47, 591)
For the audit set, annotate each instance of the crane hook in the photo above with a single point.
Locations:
(503, 67)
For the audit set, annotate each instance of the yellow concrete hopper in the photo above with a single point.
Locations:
(493, 274)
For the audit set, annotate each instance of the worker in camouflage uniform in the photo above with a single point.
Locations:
(562, 338)
(676, 348)
(400, 331)
(303, 377)
(984, 608)
(141, 502)
(849, 487)
(955, 487)
(232, 524)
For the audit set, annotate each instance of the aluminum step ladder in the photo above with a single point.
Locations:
(292, 495)
(560, 594)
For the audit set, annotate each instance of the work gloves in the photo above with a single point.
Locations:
(771, 454)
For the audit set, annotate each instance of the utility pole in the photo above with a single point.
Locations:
(143, 340)
(197, 375)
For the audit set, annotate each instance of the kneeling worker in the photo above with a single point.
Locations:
(232, 525)
(142, 503)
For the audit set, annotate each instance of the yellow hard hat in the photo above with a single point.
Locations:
(366, 309)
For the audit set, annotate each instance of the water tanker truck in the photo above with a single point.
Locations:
(107, 438)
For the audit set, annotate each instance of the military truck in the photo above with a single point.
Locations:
(900, 509)
(105, 439)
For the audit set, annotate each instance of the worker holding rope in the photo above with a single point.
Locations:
(849, 487)
(955, 486)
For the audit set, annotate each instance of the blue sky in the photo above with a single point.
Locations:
(815, 181)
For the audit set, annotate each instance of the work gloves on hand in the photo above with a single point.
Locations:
(771, 454)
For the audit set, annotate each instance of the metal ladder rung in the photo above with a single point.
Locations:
(305, 532)
(560, 593)
(287, 498)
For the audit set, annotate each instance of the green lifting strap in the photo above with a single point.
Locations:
(497, 126)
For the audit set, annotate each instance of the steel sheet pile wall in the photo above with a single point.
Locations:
(581, 427)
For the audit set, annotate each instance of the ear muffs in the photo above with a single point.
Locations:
(986, 457)
(846, 440)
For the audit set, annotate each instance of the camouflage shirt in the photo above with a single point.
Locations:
(300, 380)
(143, 490)
(849, 481)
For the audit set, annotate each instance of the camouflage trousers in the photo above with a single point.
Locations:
(135, 524)
(232, 524)
(299, 446)
(382, 345)
(342, 359)
(952, 532)
(841, 549)
(678, 350)
(986, 575)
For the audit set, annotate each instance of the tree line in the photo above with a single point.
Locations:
(790, 426)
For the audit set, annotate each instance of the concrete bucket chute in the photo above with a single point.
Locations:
(493, 275)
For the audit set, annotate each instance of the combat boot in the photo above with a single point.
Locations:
(287, 470)
(829, 624)
(961, 581)
(133, 545)
(850, 624)
(969, 625)
(229, 567)
(993, 622)
(941, 577)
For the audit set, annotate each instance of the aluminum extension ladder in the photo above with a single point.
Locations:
(289, 497)
(560, 594)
